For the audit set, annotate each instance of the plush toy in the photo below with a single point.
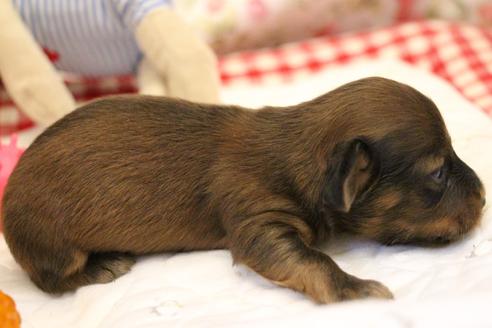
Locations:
(9, 156)
(39, 38)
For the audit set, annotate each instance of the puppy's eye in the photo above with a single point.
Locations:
(439, 175)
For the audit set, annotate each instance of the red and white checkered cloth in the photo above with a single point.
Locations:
(461, 54)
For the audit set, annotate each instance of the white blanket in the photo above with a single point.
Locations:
(448, 287)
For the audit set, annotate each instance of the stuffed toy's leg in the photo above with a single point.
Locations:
(185, 63)
(149, 81)
(28, 75)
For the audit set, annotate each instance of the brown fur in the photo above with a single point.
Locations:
(135, 175)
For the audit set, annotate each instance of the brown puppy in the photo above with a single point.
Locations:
(138, 175)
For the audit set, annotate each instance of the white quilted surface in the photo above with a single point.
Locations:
(449, 287)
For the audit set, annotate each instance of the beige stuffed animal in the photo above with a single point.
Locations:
(173, 61)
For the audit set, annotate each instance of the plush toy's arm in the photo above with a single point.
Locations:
(185, 62)
(26, 72)
(149, 81)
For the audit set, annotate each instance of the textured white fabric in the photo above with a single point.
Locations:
(446, 287)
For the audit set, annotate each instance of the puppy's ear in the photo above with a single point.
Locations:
(354, 168)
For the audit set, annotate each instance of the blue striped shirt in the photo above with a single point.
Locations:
(90, 37)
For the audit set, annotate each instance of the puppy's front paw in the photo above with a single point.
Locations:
(355, 288)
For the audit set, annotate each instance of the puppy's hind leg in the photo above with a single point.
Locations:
(106, 267)
(81, 269)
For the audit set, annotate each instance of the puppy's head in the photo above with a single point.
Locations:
(394, 175)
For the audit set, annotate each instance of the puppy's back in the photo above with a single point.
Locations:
(125, 172)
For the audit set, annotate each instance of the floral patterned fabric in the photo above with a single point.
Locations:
(244, 24)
